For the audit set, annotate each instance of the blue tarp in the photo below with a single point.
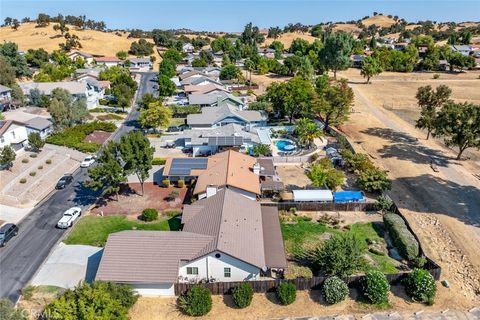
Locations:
(348, 196)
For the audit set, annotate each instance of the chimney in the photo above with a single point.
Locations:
(256, 168)
(211, 190)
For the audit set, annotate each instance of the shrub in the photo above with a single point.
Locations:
(149, 214)
(166, 183)
(32, 174)
(383, 204)
(242, 295)
(181, 183)
(10, 312)
(401, 237)
(420, 286)
(375, 287)
(374, 180)
(334, 290)
(25, 160)
(286, 293)
(158, 161)
(196, 302)
(33, 155)
(419, 262)
(23, 180)
(48, 161)
(40, 167)
(294, 272)
(27, 292)
(339, 256)
(173, 195)
(436, 76)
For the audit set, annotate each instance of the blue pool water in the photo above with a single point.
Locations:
(285, 145)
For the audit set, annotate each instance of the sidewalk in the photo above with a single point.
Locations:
(12, 214)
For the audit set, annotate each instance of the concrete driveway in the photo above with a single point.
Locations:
(68, 265)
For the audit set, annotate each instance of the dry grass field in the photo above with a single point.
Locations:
(379, 20)
(287, 38)
(347, 27)
(97, 43)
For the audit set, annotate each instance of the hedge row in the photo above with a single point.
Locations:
(402, 238)
(73, 137)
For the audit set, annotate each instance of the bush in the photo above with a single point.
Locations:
(286, 293)
(158, 161)
(166, 183)
(374, 180)
(48, 161)
(10, 312)
(436, 76)
(196, 302)
(149, 214)
(294, 272)
(419, 262)
(401, 237)
(23, 180)
(334, 290)
(173, 195)
(27, 292)
(340, 256)
(40, 167)
(32, 174)
(420, 286)
(181, 183)
(25, 160)
(33, 155)
(375, 287)
(242, 295)
(383, 204)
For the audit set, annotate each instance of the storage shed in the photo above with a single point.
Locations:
(312, 196)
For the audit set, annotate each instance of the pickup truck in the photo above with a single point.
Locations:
(69, 217)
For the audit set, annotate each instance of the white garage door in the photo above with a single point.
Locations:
(155, 290)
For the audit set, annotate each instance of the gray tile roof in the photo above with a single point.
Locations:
(38, 123)
(4, 89)
(272, 238)
(148, 256)
(212, 115)
(74, 87)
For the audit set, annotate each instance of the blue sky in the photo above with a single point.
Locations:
(230, 15)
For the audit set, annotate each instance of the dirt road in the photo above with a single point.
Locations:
(443, 207)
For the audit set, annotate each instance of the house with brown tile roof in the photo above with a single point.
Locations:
(225, 237)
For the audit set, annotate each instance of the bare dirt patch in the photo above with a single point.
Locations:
(293, 176)
(131, 203)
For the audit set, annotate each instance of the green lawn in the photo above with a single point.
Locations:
(177, 121)
(94, 231)
(305, 235)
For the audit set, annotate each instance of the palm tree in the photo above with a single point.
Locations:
(307, 131)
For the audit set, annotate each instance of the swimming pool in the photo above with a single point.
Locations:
(285, 145)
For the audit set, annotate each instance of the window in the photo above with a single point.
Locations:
(2, 139)
(192, 270)
(227, 272)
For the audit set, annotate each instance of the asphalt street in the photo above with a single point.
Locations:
(25, 253)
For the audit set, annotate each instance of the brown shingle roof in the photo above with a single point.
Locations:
(148, 256)
(234, 221)
(272, 238)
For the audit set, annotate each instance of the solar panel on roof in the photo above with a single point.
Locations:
(183, 166)
(225, 141)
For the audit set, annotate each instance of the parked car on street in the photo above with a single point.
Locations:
(69, 217)
(7, 232)
(87, 162)
(64, 181)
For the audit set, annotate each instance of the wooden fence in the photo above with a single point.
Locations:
(322, 206)
(314, 283)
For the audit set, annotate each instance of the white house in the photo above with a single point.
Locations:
(39, 125)
(13, 134)
(226, 237)
(188, 48)
(74, 55)
(141, 63)
(463, 49)
(108, 61)
(5, 97)
(223, 113)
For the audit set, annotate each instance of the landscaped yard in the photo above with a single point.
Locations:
(177, 121)
(304, 235)
(94, 231)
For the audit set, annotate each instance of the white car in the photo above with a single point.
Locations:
(87, 162)
(69, 217)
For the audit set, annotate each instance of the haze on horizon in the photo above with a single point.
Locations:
(231, 16)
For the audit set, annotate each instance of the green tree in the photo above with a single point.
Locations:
(335, 55)
(35, 141)
(141, 48)
(199, 63)
(307, 130)
(299, 47)
(7, 157)
(137, 155)
(7, 72)
(167, 68)
(9, 51)
(147, 98)
(370, 67)
(166, 87)
(333, 102)
(430, 101)
(458, 124)
(155, 115)
(323, 173)
(37, 57)
(274, 32)
(61, 26)
(374, 180)
(277, 46)
(251, 35)
(172, 54)
(109, 174)
(72, 41)
(122, 55)
(339, 256)
(230, 72)
(66, 111)
(9, 312)
(261, 150)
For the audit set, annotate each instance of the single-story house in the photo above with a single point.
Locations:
(215, 99)
(226, 113)
(229, 169)
(208, 71)
(141, 63)
(74, 55)
(13, 134)
(463, 49)
(79, 89)
(199, 80)
(41, 125)
(204, 89)
(108, 61)
(211, 141)
(225, 237)
(188, 48)
(5, 97)
(266, 52)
